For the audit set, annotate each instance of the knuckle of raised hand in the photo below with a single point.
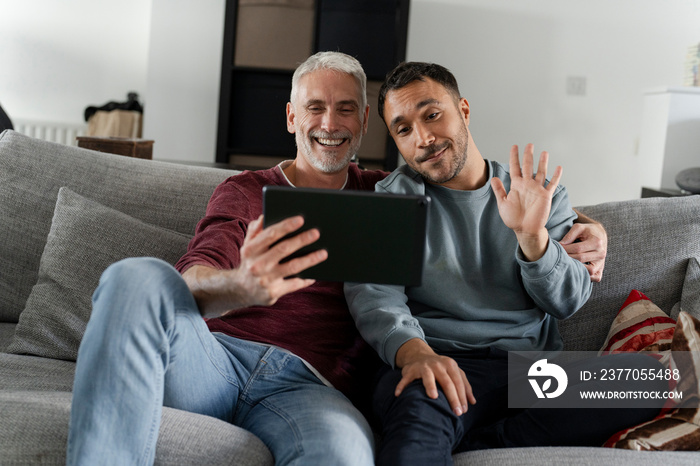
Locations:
(270, 300)
(255, 269)
(268, 283)
(290, 269)
(245, 251)
(267, 300)
(283, 246)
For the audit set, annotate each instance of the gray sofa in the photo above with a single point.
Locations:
(67, 212)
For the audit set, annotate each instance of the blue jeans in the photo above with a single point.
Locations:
(146, 346)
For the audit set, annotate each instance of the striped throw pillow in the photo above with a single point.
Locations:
(678, 429)
(639, 326)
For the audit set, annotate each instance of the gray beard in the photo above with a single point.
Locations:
(327, 165)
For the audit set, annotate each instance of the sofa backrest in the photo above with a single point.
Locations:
(650, 242)
(165, 194)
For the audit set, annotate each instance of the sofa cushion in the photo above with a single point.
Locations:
(579, 456)
(649, 243)
(35, 430)
(678, 429)
(168, 195)
(85, 238)
(639, 326)
(686, 359)
(7, 331)
(19, 372)
(690, 297)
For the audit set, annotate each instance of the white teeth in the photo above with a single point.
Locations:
(330, 142)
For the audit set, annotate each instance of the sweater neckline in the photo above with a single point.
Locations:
(285, 163)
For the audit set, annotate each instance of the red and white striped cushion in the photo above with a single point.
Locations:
(639, 326)
(678, 429)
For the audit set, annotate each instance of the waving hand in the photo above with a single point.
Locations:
(525, 209)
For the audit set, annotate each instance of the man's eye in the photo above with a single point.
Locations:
(432, 116)
(402, 130)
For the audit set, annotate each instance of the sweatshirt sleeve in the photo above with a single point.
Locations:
(558, 284)
(382, 317)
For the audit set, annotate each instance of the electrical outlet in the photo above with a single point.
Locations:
(576, 85)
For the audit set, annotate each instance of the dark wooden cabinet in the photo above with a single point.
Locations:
(264, 41)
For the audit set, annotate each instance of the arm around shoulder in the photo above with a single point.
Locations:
(587, 242)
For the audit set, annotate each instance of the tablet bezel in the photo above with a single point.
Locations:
(374, 237)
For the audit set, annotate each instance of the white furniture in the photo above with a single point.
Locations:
(670, 137)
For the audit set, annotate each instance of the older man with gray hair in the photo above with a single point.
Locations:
(278, 356)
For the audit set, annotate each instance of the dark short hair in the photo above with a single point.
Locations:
(408, 72)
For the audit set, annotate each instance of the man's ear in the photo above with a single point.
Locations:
(464, 108)
(290, 118)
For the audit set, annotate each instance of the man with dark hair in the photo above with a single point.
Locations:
(417, 71)
(496, 279)
(581, 242)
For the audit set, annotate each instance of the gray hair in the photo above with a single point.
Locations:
(335, 61)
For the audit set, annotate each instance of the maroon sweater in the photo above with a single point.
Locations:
(314, 323)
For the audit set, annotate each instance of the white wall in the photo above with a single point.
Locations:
(59, 57)
(184, 68)
(671, 126)
(512, 60)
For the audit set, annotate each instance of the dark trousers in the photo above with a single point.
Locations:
(419, 430)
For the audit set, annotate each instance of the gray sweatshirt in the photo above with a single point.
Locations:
(478, 290)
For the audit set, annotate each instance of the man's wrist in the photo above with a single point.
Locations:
(410, 350)
(215, 291)
(535, 245)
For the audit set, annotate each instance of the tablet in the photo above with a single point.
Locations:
(370, 237)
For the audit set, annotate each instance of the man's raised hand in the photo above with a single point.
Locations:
(261, 277)
(261, 271)
(525, 208)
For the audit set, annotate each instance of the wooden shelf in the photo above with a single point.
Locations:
(253, 98)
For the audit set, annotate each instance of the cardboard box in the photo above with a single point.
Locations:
(274, 33)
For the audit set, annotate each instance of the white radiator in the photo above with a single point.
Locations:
(62, 133)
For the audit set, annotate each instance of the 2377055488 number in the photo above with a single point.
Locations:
(639, 374)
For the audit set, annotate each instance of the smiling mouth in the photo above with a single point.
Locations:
(326, 142)
(433, 153)
(434, 156)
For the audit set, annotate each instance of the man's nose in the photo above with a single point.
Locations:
(329, 121)
(424, 136)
